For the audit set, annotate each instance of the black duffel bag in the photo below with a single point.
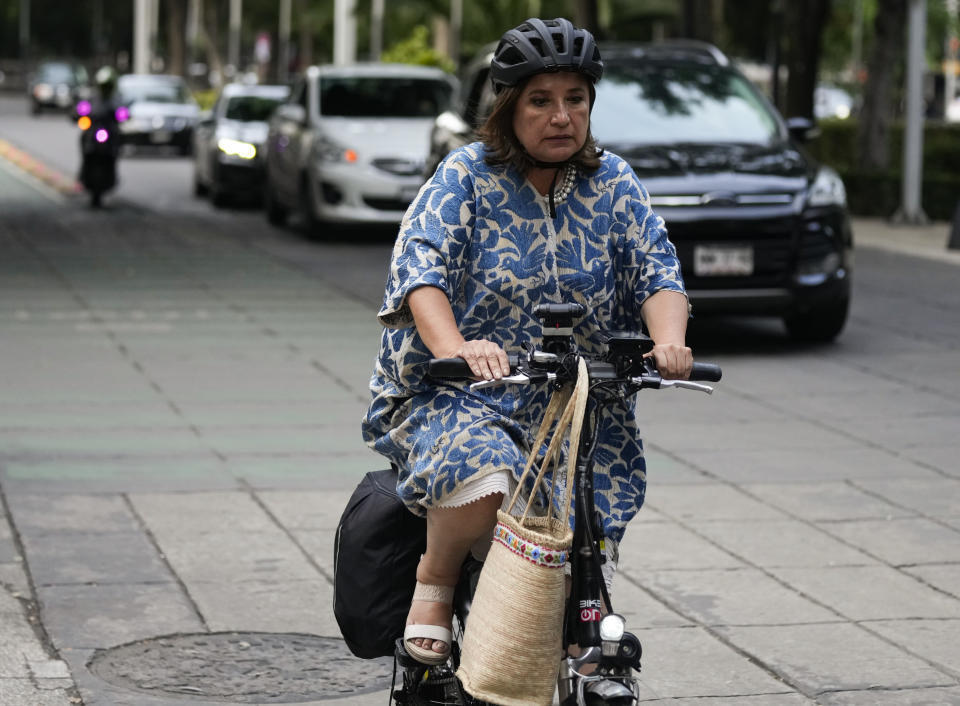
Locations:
(375, 554)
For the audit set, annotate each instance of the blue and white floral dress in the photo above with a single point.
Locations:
(484, 236)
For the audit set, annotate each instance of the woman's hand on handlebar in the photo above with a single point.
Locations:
(486, 359)
(674, 360)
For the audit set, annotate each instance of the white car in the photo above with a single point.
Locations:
(349, 145)
(228, 142)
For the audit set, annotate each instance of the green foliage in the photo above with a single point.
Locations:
(873, 193)
(416, 49)
(206, 98)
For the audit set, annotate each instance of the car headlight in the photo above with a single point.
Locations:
(237, 148)
(43, 91)
(327, 150)
(827, 189)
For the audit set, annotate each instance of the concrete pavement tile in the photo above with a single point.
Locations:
(888, 403)
(758, 700)
(759, 463)
(787, 543)
(713, 501)
(934, 497)
(656, 546)
(902, 541)
(24, 692)
(894, 697)
(834, 657)
(117, 475)
(870, 592)
(75, 617)
(312, 471)
(901, 431)
(319, 545)
(943, 457)
(733, 597)
(19, 644)
(56, 513)
(306, 510)
(282, 604)
(235, 555)
(641, 609)
(336, 407)
(934, 640)
(52, 443)
(13, 577)
(663, 469)
(681, 406)
(945, 577)
(689, 662)
(719, 435)
(75, 558)
(270, 440)
(8, 550)
(184, 515)
(825, 501)
(87, 415)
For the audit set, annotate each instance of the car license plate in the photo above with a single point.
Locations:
(160, 136)
(722, 260)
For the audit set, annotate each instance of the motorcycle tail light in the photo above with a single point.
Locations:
(84, 122)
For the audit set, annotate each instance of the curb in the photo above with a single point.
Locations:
(51, 177)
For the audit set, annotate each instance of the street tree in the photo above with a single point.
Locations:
(879, 94)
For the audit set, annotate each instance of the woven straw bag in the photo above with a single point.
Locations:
(513, 640)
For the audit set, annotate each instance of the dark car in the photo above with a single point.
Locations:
(760, 227)
(57, 85)
(228, 142)
(163, 112)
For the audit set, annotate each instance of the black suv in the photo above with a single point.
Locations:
(760, 227)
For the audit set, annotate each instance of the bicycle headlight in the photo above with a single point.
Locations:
(612, 628)
(827, 189)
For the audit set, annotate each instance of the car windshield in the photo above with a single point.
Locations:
(154, 91)
(383, 96)
(660, 104)
(57, 73)
(250, 108)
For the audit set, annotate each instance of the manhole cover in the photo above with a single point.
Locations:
(242, 667)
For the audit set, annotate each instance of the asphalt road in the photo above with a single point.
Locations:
(179, 395)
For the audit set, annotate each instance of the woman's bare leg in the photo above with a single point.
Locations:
(450, 534)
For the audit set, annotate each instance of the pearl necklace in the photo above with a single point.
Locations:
(566, 185)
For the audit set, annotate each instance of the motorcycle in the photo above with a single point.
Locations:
(99, 146)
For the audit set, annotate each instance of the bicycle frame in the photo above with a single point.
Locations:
(612, 653)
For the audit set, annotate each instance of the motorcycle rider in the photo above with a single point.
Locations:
(100, 140)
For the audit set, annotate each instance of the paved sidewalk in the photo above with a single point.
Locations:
(178, 435)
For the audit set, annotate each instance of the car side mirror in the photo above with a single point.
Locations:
(292, 112)
(802, 129)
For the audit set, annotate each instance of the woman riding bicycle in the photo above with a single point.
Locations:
(532, 213)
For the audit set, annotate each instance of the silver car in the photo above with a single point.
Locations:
(349, 145)
(228, 142)
(163, 112)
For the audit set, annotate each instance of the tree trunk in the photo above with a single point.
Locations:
(588, 16)
(209, 37)
(879, 95)
(700, 19)
(176, 35)
(804, 22)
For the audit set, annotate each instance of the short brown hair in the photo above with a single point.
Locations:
(503, 147)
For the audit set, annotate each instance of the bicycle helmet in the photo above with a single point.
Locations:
(106, 80)
(542, 46)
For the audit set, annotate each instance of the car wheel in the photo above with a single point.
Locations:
(312, 225)
(276, 213)
(820, 324)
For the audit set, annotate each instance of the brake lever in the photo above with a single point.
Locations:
(518, 379)
(687, 385)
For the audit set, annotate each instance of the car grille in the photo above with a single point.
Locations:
(772, 242)
(400, 167)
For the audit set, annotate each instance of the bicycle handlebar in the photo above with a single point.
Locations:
(458, 368)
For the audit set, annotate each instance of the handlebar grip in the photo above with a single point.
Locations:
(708, 372)
(458, 368)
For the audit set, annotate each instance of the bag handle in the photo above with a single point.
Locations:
(575, 405)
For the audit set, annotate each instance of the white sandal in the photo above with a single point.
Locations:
(433, 594)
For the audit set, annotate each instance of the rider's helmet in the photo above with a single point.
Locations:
(543, 46)
(106, 81)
